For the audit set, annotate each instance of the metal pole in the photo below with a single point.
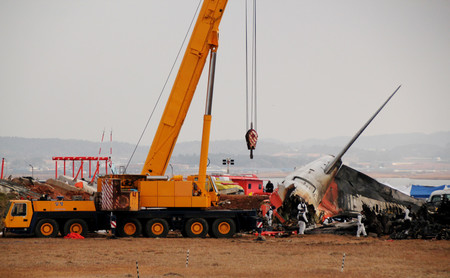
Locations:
(343, 261)
(3, 164)
(137, 269)
(32, 171)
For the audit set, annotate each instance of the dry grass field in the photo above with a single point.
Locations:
(308, 256)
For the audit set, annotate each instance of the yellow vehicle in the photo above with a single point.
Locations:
(226, 186)
(48, 218)
(150, 203)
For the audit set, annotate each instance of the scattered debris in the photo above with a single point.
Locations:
(74, 236)
(240, 202)
(423, 225)
(28, 188)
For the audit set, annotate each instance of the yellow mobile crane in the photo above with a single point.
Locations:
(150, 203)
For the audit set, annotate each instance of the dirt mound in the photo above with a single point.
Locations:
(27, 188)
(241, 202)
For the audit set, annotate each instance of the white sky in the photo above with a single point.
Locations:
(70, 69)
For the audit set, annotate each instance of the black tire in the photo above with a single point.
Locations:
(78, 226)
(47, 228)
(156, 228)
(223, 228)
(130, 228)
(196, 227)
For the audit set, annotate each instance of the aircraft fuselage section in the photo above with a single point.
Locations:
(309, 182)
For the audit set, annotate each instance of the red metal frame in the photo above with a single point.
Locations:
(82, 159)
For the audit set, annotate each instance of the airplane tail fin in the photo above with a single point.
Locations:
(337, 160)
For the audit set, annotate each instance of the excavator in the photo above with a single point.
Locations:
(150, 203)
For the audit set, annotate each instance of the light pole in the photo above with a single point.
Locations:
(172, 169)
(3, 166)
(32, 171)
(227, 162)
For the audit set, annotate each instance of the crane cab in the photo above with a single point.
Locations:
(18, 215)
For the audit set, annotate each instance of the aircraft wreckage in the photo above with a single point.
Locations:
(330, 188)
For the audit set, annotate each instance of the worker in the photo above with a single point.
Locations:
(301, 217)
(269, 217)
(360, 224)
(327, 221)
(269, 187)
(407, 212)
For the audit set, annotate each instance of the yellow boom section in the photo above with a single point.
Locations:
(203, 39)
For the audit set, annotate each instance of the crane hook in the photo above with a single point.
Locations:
(251, 137)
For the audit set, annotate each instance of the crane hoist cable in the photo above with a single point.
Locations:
(165, 83)
(251, 135)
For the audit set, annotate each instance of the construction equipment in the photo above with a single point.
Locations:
(150, 203)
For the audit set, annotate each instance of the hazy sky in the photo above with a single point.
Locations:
(70, 69)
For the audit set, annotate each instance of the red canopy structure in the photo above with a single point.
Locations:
(82, 159)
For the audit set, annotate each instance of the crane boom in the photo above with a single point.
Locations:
(204, 38)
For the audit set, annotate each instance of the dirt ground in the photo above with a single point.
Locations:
(241, 256)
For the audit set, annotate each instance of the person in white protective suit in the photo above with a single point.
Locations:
(301, 217)
(407, 212)
(360, 224)
(269, 217)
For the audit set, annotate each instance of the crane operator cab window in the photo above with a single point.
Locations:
(19, 210)
(209, 186)
(5, 212)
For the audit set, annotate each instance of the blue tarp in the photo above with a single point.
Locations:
(422, 191)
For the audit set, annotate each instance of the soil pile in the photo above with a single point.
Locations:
(241, 202)
(27, 188)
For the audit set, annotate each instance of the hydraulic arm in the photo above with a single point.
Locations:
(203, 40)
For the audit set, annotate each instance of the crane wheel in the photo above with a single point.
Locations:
(78, 226)
(156, 228)
(196, 227)
(47, 228)
(130, 228)
(223, 228)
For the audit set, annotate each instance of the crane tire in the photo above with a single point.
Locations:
(47, 228)
(78, 226)
(130, 228)
(156, 228)
(223, 228)
(196, 227)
